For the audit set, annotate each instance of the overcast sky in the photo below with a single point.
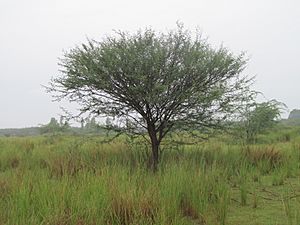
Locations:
(34, 33)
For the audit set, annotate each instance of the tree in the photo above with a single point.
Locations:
(63, 124)
(54, 126)
(258, 118)
(91, 126)
(152, 83)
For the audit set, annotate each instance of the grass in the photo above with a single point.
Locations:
(79, 180)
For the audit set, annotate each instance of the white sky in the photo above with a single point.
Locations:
(34, 33)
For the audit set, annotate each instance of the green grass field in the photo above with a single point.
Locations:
(81, 180)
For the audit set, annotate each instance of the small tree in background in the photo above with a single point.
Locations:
(152, 83)
(54, 126)
(259, 117)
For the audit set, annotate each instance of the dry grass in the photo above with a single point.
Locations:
(127, 209)
(122, 211)
(14, 162)
(5, 189)
(188, 210)
(268, 154)
(64, 165)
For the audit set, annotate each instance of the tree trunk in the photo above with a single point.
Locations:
(155, 155)
(154, 147)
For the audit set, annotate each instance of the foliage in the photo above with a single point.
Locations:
(54, 126)
(153, 83)
(257, 118)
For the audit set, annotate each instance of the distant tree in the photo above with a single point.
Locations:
(61, 121)
(82, 123)
(108, 122)
(63, 124)
(259, 117)
(152, 83)
(91, 126)
(87, 123)
(51, 127)
(54, 126)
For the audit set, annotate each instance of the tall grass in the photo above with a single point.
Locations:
(80, 180)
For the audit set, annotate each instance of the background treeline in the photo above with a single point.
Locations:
(88, 126)
(91, 126)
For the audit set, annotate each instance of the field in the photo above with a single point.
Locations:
(80, 180)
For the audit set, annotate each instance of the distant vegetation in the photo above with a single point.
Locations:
(293, 119)
(295, 114)
(88, 126)
(256, 119)
(29, 131)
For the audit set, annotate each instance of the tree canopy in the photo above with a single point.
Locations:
(54, 126)
(153, 83)
(257, 118)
